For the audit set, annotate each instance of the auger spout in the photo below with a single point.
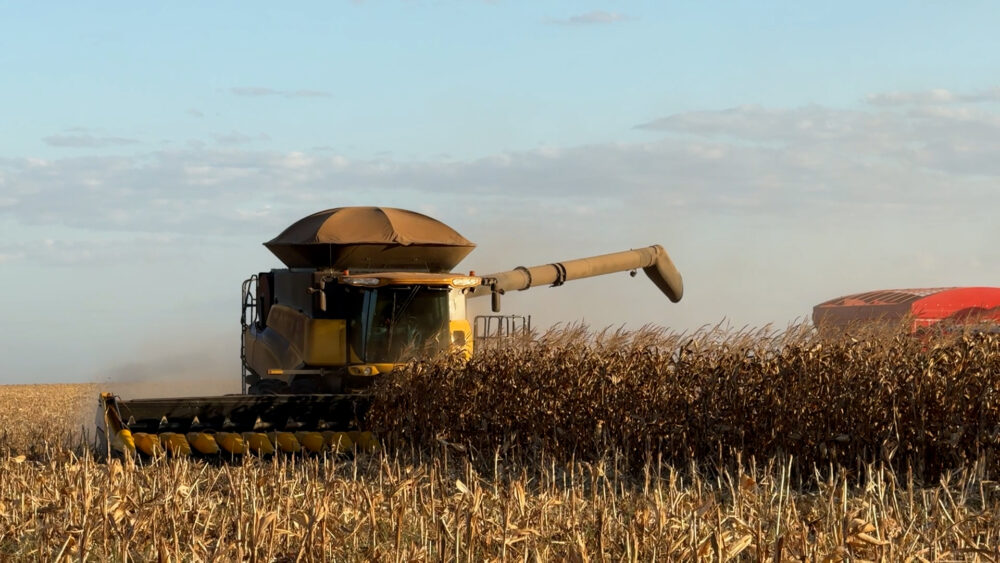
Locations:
(653, 260)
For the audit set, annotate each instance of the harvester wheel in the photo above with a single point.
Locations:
(306, 385)
(269, 387)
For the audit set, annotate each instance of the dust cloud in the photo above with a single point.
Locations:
(194, 367)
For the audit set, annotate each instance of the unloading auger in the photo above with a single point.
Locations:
(366, 289)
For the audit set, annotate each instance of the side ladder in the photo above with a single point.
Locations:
(248, 316)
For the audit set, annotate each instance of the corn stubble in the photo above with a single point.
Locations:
(461, 487)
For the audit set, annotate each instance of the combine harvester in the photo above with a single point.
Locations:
(366, 289)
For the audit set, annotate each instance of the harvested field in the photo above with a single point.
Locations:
(448, 493)
(37, 418)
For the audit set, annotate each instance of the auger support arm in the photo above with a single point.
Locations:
(653, 260)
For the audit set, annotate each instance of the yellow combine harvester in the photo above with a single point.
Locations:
(365, 290)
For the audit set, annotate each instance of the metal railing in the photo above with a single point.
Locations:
(490, 331)
(250, 311)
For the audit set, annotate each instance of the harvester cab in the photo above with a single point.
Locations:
(332, 332)
(364, 290)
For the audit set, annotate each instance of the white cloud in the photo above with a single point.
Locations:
(767, 210)
(257, 91)
(238, 138)
(254, 91)
(592, 17)
(769, 160)
(309, 94)
(7, 257)
(933, 96)
(87, 141)
(920, 141)
(936, 96)
(80, 248)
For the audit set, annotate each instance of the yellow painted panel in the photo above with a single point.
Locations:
(363, 441)
(312, 441)
(125, 443)
(285, 441)
(339, 442)
(326, 342)
(148, 444)
(258, 443)
(203, 442)
(176, 444)
(463, 326)
(231, 442)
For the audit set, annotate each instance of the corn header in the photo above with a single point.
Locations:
(364, 290)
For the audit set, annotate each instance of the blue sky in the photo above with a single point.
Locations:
(783, 153)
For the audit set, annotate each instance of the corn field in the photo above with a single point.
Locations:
(565, 449)
(919, 406)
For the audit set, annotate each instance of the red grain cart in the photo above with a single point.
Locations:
(919, 308)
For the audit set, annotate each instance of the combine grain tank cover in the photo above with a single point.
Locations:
(370, 238)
